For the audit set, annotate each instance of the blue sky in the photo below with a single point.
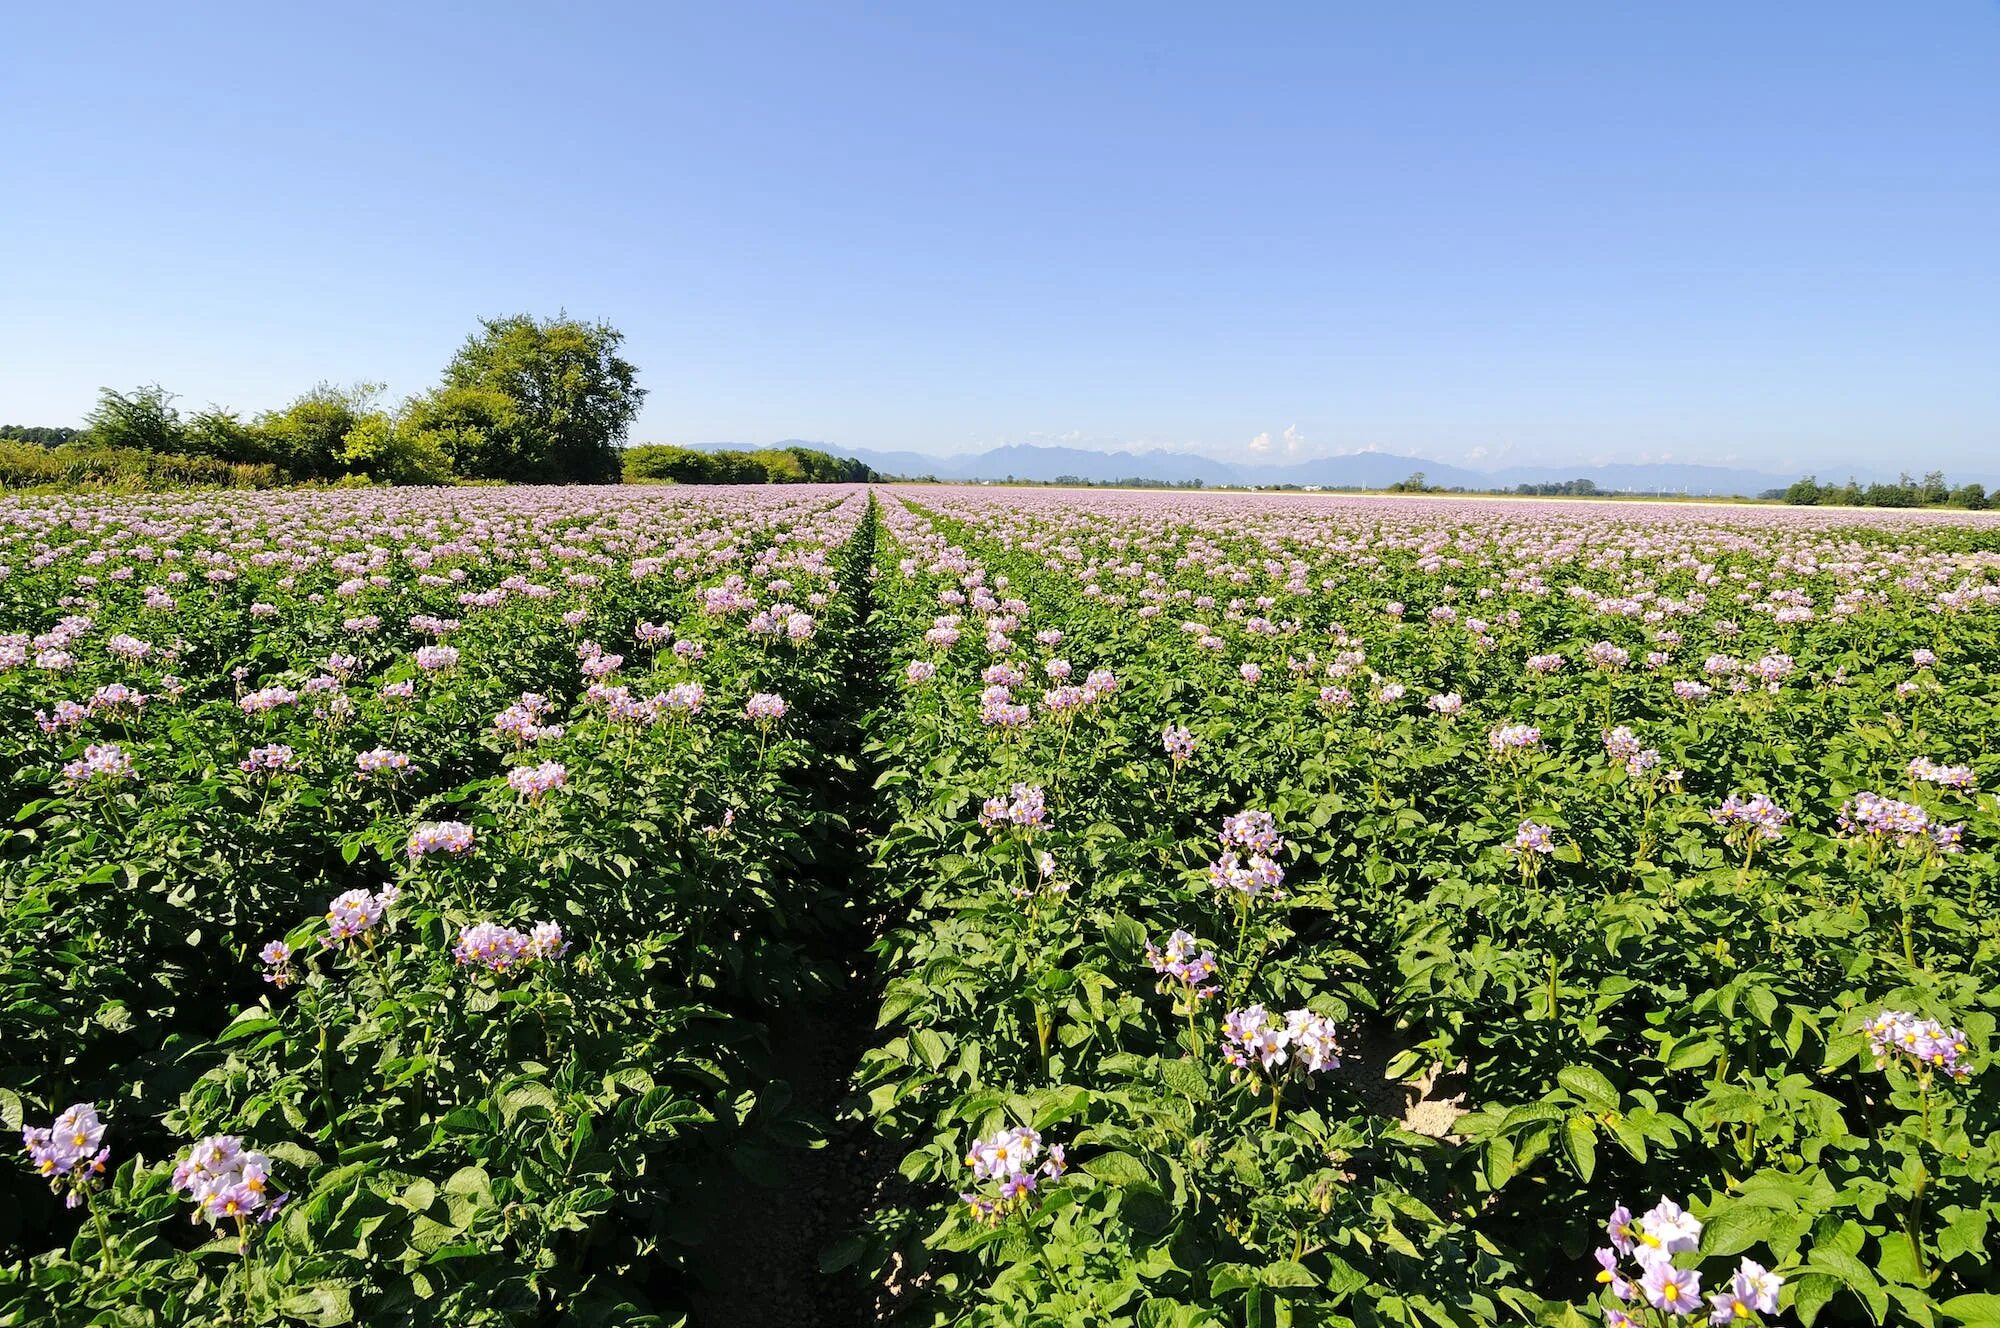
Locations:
(1758, 234)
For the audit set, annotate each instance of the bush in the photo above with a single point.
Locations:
(25, 466)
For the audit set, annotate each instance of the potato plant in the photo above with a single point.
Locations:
(1432, 881)
(1265, 911)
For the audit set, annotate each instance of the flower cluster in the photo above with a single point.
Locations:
(1531, 840)
(105, 761)
(266, 699)
(1182, 969)
(1958, 777)
(1514, 738)
(1178, 742)
(381, 761)
(1253, 1043)
(498, 949)
(1624, 748)
(523, 720)
(532, 781)
(1256, 834)
(1651, 1242)
(277, 958)
(1253, 832)
(454, 837)
(69, 1151)
(1926, 1042)
(1607, 656)
(999, 710)
(1755, 819)
(1873, 816)
(764, 708)
(1049, 883)
(1023, 807)
(353, 915)
(227, 1180)
(268, 760)
(1012, 1162)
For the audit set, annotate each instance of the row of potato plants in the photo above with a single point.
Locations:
(397, 889)
(1650, 845)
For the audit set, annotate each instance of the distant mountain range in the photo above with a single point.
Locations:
(1356, 470)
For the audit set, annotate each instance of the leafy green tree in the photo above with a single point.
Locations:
(378, 448)
(219, 433)
(309, 437)
(40, 435)
(146, 420)
(573, 398)
(1804, 492)
(474, 429)
(662, 461)
(1972, 497)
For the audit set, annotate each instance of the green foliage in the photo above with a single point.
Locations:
(786, 465)
(573, 398)
(525, 399)
(144, 420)
(310, 436)
(1576, 488)
(1642, 1014)
(461, 1145)
(39, 435)
(1656, 1006)
(75, 466)
(1931, 491)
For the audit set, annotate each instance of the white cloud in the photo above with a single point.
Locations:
(1294, 440)
(1475, 454)
(1261, 444)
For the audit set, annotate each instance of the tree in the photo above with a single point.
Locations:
(218, 433)
(475, 429)
(662, 461)
(309, 437)
(146, 421)
(41, 435)
(1804, 492)
(573, 397)
(1972, 497)
(379, 448)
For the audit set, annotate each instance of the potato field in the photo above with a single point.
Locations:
(808, 905)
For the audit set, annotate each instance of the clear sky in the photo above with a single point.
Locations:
(1754, 233)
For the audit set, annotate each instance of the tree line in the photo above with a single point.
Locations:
(524, 399)
(662, 462)
(1931, 491)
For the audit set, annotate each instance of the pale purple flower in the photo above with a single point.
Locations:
(277, 958)
(764, 708)
(1926, 1043)
(532, 781)
(381, 761)
(354, 914)
(1024, 807)
(268, 760)
(454, 837)
(105, 761)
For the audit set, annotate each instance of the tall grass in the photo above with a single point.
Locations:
(26, 466)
